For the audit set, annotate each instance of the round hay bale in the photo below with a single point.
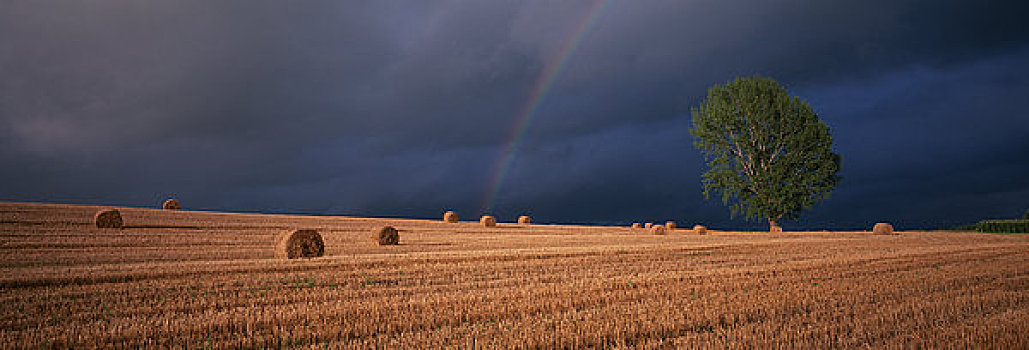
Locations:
(386, 235)
(636, 225)
(670, 225)
(488, 221)
(648, 225)
(524, 220)
(775, 229)
(299, 244)
(450, 216)
(658, 229)
(108, 218)
(172, 204)
(882, 228)
(700, 230)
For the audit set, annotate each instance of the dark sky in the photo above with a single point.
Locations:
(403, 108)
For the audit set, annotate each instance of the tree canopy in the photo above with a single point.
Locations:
(770, 157)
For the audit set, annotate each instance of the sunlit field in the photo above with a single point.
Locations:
(202, 279)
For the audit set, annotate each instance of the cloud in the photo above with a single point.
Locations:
(403, 108)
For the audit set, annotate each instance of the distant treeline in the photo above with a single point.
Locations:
(1003, 226)
(998, 226)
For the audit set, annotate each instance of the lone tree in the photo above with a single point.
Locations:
(769, 155)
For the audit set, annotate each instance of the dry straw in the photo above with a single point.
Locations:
(488, 221)
(108, 218)
(700, 230)
(386, 235)
(776, 229)
(450, 216)
(670, 225)
(299, 244)
(524, 220)
(657, 229)
(882, 228)
(172, 204)
(636, 225)
(648, 225)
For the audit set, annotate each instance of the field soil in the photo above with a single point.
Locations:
(186, 279)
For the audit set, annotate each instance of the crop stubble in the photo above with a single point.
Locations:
(209, 279)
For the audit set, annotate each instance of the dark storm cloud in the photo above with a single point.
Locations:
(934, 147)
(401, 108)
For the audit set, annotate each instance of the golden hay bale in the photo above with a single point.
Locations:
(172, 204)
(299, 244)
(450, 216)
(488, 221)
(386, 235)
(700, 230)
(636, 225)
(775, 229)
(648, 225)
(882, 228)
(108, 218)
(670, 225)
(524, 220)
(657, 229)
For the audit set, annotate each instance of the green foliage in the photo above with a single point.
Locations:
(969, 227)
(770, 157)
(1003, 226)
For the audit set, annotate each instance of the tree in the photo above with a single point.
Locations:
(769, 154)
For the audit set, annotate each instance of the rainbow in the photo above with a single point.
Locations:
(539, 91)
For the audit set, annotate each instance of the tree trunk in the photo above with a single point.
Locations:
(773, 226)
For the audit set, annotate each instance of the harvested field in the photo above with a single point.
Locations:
(202, 279)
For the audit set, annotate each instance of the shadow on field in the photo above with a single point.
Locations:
(22, 223)
(428, 244)
(163, 226)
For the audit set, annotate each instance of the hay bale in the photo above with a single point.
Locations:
(299, 244)
(658, 229)
(172, 204)
(636, 225)
(670, 225)
(700, 230)
(450, 216)
(524, 220)
(488, 221)
(108, 218)
(386, 235)
(882, 228)
(648, 225)
(775, 229)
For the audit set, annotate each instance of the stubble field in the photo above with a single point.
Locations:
(209, 280)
